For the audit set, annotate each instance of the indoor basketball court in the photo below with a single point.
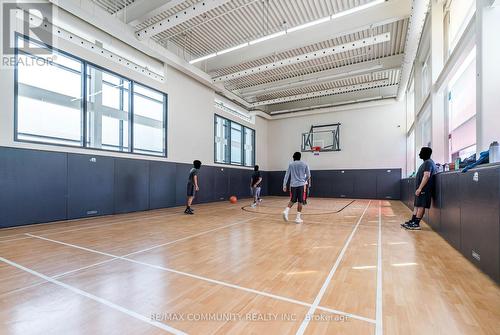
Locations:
(249, 167)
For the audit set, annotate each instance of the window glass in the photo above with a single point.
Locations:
(149, 121)
(236, 143)
(410, 106)
(233, 143)
(107, 110)
(221, 140)
(249, 144)
(410, 157)
(460, 13)
(49, 107)
(462, 108)
(426, 78)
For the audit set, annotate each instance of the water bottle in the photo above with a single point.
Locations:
(494, 152)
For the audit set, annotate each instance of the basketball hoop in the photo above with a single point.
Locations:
(316, 150)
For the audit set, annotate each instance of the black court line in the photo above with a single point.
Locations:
(246, 209)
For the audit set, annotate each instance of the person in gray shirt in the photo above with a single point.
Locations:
(299, 175)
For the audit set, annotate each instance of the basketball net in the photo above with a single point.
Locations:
(316, 150)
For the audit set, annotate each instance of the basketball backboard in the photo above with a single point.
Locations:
(327, 137)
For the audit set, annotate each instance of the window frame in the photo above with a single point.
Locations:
(83, 108)
(242, 146)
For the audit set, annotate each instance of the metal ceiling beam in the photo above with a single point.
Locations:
(386, 13)
(344, 98)
(179, 17)
(307, 57)
(385, 63)
(141, 10)
(338, 90)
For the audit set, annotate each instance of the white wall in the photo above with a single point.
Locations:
(190, 129)
(370, 137)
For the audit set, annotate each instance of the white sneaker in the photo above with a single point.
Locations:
(285, 215)
(253, 205)
(298, 220)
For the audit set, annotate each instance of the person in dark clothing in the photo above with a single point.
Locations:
(424, 182)
(255, 185)
(192, 186)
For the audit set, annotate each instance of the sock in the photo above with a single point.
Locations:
(413, 218)
(298, 215)
(417, 221)
(287, 210)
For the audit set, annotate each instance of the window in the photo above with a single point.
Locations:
(221, 140)
(459, 14)
(234, 143)
(108, 110)
(426, 129)
(149, 121)
(462, 109)
(410, 153)
(426, 78)
(410, 106)
(63, 100)
(249, 146)
(49, 91)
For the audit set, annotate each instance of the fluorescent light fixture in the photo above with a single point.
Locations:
(309, 24)
(202, 58)
(268, 37)
(291, 30)
(356, 9)
(232, 49)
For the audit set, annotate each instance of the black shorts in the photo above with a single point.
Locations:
(190, 190)
(423, 200)
(297, 194)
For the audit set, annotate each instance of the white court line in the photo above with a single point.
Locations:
(322, 291)
(213, 281)
(97, 299)
(379, 328)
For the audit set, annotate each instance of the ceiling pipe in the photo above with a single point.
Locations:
(416, 23)
(337, 107)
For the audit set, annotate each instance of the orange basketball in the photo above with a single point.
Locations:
(233, 199)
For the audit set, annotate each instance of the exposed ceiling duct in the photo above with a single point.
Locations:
(415, 28)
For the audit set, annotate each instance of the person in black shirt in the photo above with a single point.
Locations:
(255, 185)
(192, 186)
(424, 182)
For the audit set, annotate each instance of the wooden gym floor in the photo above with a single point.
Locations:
(231, 271)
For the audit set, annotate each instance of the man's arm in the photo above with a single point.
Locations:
(425, 180)
(285, 180)
(196, 183)
(308, 175)
(258, 182)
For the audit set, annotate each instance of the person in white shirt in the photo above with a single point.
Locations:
(299, 174)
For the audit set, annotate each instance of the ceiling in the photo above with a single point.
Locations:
(289, 70)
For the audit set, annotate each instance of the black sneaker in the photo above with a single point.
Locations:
(189, 211)
(404, 225)
(413, 226)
